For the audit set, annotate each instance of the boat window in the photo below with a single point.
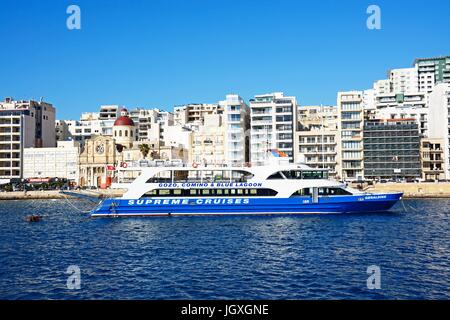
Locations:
(210, 192)
(275, 176)
(305, 192)
(313, 174)
(241, 175)
(163, 176)
(163, 192)
(333, 191)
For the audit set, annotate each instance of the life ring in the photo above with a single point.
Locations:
(194, 165)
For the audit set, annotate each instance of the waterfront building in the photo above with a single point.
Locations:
(236, 122)
(208, 142)
(404, 105)
(60, 162)
(350, 157)
(432, 71)
(23, 124)
(439, 121)
(315, 140)
(272, 125)
(432, 159)
(391, 149)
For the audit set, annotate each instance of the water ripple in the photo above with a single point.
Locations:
(284, 257)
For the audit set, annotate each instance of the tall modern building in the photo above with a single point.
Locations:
(236, 120)
(391, 149)
(432, 71)
(23, 124)
(273, 123)
(350, 106)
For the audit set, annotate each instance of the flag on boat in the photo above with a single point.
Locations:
(278, 154)
(111, 168)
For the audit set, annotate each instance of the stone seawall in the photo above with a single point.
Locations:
(415, 190)
(22, 195)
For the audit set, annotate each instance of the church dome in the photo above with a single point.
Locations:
(124, 119)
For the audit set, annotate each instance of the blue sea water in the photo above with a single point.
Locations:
(267, 257)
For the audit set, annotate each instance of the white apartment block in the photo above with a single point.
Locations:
(151, 123)
(404, 105)
(272, 125)
(236, 120)
(194, 113)
(315, 142)
(439, 120)
(109, 112)
(208, 142)
(60, 162)
(23, 124)
(404, 80)
(350, 139)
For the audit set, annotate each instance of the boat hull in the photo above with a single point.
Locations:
(364, 203)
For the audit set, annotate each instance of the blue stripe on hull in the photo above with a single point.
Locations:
(245, 206)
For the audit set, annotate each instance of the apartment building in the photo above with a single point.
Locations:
(272, 125)
(432, 159)
(439, 121)
(315, 141)
(404, 80)
(350, 164)
(391, 149)
(432, 71)
(404, 105)
(23, 124)
(236, 120)
(207, 145)
(194, 113)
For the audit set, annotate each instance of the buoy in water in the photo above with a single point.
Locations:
(34, 218)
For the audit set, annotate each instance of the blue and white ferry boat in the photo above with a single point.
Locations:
(275, 188)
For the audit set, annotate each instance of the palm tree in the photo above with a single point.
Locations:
(145, 149)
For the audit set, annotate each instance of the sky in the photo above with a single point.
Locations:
(161, 53)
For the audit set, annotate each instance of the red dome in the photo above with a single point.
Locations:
(124, 121)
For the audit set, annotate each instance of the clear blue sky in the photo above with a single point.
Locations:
(161, 53)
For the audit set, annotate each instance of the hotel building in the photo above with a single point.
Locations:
(23, 124)
(272, 125)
